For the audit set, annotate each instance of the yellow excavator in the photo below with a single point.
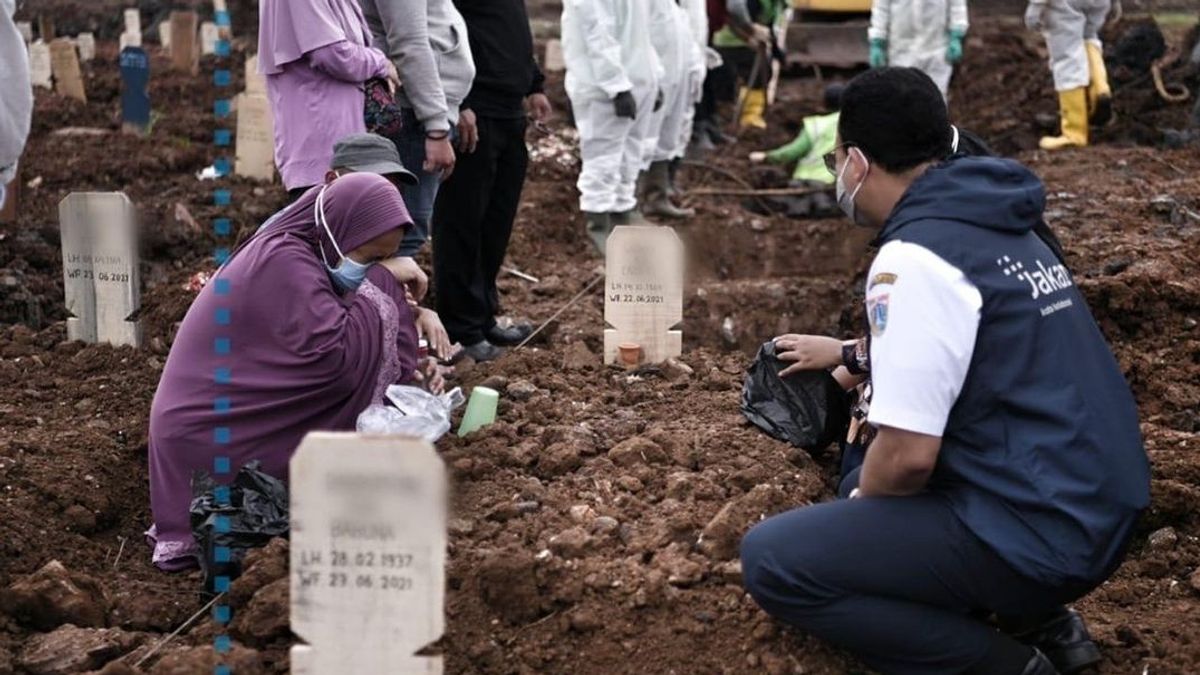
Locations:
(828, 33)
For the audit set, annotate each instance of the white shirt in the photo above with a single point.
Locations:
(924, 315)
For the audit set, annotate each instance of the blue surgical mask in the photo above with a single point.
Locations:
(349, 274)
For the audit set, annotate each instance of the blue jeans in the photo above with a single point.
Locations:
(418, 198)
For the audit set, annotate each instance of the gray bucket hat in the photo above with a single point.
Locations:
(371, 153)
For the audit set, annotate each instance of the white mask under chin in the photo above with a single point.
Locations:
(845, 198)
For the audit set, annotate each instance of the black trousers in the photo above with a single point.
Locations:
(741, 60)
(901, 582)
(472, 223)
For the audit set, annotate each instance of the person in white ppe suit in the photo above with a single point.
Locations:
(1072, 32)
(923, 34)
(16, 96)
(680, 44)
(612, 80)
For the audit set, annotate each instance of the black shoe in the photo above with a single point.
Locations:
(507, 337)
(1064, 640)
(1039, 665)
(483, 351)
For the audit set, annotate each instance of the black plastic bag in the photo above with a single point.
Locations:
(808, 409)
(255, 513)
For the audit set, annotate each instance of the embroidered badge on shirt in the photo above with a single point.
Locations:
(882, 278)
(877, 313)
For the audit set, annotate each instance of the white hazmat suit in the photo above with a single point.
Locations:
(917, 34)
(1067, 25)
(16, 95)
(607, 47)
(675, 28)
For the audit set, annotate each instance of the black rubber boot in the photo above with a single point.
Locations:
(1039, 665)
(1064, 639)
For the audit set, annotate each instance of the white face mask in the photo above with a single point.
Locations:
(349, 274)
(845, 199)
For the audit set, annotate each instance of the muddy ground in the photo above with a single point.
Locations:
(643, 481)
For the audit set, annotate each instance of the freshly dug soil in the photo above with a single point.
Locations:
(643, 481)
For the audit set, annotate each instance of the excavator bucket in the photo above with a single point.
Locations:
(829, 33)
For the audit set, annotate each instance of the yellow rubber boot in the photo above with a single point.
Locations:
(1072, 105)
(753, 108)
(1100, 110)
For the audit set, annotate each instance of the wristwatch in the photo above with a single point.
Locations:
(855, 357)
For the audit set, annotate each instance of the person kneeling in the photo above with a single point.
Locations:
(1008, 470)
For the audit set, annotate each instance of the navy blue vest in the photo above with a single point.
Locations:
(1042, 457)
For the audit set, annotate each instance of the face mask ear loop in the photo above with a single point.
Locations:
(865, 173)
(319, 216)
(954, 141)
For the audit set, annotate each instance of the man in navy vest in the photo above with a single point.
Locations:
(1008, 470)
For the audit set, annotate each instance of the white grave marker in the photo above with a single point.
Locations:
(255, 137)
(643, 292)
(208, 38)
(25, 28)
(554, 62)
(40, 69)
(368, 554)
(87, 46)
(130, 40)
(255, 82)
(64, 60)
(164, 34)
(133, 21)
(100, 267)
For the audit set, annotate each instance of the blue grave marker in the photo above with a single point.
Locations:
(135, 89)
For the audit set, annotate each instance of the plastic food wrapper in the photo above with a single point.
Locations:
(255, 512)
(808, 409)
(416, 412)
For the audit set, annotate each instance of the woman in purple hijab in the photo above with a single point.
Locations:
(297, 332)
(316, 55)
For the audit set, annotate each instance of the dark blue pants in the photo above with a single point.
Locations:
(898, 581)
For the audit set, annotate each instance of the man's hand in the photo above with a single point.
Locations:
(810, 352)
(625, 105)
(429, 324)
(468, 131)
(898, 463)
(1035, 15)
(393, 78)
(760, 36)
(410, 275)
(439, 156)
(540, 109)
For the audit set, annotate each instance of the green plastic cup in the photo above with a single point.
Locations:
(481, 410)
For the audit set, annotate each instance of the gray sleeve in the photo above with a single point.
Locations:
(401, 30)
(739, 13)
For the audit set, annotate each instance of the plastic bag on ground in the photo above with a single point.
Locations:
(416, 412)
(808, 409)
(255, 512)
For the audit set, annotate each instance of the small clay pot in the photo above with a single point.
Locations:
(629, 353)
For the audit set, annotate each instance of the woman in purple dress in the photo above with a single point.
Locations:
(298, 331)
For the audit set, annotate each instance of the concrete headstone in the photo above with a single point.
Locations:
(46, 30)
(208, 38)
(135, 90)
(25, 28)
(256, 83)
(554, 62)
(40, 68)
(255, 137)
(643, 292)
(368, 554)
(133, 21)
(164, 34)
(100, 267)
(185, 47)
(87, 46)
(64, 60)
(130, 40)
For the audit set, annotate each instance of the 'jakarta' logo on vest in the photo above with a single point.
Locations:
(1042, 281)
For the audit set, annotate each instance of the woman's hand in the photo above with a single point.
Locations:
(430, 325)
(393, 77)
(408, 274)
(810, 352)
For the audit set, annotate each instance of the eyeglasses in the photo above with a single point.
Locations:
(831, 158)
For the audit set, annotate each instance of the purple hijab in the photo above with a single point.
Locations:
(270, 350)
(289, 29)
